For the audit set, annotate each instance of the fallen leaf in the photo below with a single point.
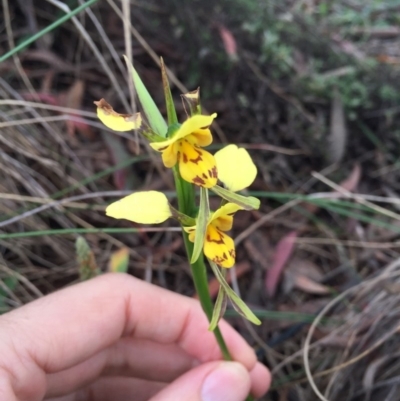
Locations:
(73, 100)
(282, 254)
(309, 286)
(305, 276)
(384, 58)
(351, 182)
(338, 131)
(47, 98)
(229, 42)
(124, 178)
(257, 250)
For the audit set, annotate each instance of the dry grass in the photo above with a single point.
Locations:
(59, 167)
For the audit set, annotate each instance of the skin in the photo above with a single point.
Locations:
(118, 338)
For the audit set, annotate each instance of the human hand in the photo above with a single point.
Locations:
(118, 338)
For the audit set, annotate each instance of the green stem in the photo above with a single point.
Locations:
(199, 273)
(185, 194)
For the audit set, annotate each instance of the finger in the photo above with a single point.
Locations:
(128, 357)
(213, 381)
(84, 319)
(114, 389)
(260, 380)
(135, 365)
(6, 391)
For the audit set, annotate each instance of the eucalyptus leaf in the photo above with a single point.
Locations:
(201, 224)
(219, 308)
(247, 202)
(156, 120)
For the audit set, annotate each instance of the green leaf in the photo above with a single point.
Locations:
(247, 202)
(243, 309)
(185, 192)
(219, 308)
(156, 120)
(237, 303)
(183, 218)
(119, 261)
(169, 101)
(201, 224)
(86, 260)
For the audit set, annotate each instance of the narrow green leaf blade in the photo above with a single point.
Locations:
(219, 309)
(201, 224)
(169, 101)
(220, 277)
(156, 120)
(247, 202)
(237, 303)
(242, 308)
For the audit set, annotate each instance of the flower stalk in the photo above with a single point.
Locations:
(204, 232)
(186, 204)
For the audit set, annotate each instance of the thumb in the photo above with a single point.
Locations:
(213, 381)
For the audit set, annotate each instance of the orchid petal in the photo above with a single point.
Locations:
(150, 207)
(197, 165)
(219, 247)
(222, 218)
(116, 121)
(236, 169)
(196, 125)
(170, 155)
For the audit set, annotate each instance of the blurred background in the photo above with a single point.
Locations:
(310, 87)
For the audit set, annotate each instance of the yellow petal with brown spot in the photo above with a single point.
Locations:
(149, 207)
(197, 124)
(197, 165)
(219, 247)
(116, 121)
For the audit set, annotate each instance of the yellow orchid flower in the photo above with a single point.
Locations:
(236, 169)
(148, 207)
(218, 246)
(195, 164)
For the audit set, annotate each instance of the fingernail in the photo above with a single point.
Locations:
(230, 381)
